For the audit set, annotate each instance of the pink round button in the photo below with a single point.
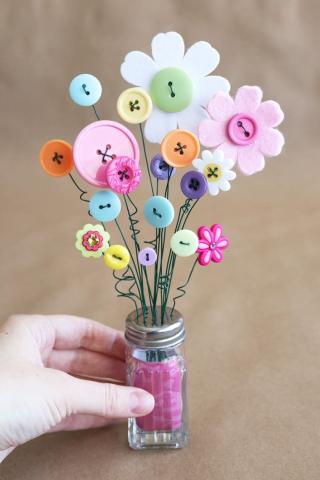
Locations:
(97, 144)
(123, 175)
(242, 129)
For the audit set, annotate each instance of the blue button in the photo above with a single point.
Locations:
(104, 206)
(158, 211)
(85, 90)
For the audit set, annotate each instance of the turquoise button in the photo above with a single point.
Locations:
(104, 206)
(171, 89)
(184, 243)
(158, 211)
(85, 90)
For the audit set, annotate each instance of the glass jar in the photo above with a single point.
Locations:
(156, 362)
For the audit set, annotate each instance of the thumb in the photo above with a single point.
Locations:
(106, 399)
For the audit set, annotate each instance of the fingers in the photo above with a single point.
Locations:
(105, 399)
(86, 363)
(67, 332)
(81, 422)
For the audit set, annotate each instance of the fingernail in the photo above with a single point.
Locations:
(141, 403)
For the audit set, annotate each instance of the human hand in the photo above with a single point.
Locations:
(38, 394)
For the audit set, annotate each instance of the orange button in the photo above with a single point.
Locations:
(56, 158)
(179, 148)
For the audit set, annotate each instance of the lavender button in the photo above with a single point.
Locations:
(147, 257)
(160, 168)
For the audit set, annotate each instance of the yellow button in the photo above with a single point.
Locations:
(134, 105)
(116, 257)
(180, 147)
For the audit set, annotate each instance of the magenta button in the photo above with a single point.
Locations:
(97, 144)
(242, 129)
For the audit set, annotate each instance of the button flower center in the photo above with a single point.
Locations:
(171, 89)
(212, 172)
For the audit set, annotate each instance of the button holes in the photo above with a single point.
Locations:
(194, 184)
(212, 173)
(108, 205)
(155, 212)
(105, 154)
(180, 148)
(123, 175)
(163, 166)
(57, 158)
(84, 86)
(184, 243)
(240, 125)
(134, 105)
(147, 257)
(116, 257)
(172, 94)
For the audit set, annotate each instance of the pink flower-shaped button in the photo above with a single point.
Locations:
(243, 128)
(99, 143)
(123, 174)
(211, 244)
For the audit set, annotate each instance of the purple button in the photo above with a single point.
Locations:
(160, 169)
(147, 257)
(242, 129)
(193, 184)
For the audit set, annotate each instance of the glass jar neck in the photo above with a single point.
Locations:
(142, 331)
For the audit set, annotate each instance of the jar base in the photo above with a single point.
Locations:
(141, 440)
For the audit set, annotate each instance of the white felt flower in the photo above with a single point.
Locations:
(177, 82)
(216, 169)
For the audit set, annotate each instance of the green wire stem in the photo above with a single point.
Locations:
(126, 278)
(183, 287)
(95, 112)
(146, 157)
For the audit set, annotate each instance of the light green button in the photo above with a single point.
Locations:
(171, 89)
(184, 243)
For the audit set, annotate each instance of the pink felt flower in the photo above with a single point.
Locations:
(243, 128)
(211, 244)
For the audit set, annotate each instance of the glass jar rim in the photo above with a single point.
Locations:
(145, 335)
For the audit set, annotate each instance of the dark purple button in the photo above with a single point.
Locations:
(193, 185)
(160, 169)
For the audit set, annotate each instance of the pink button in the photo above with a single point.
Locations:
(242, 129)
(97, 144)
(123, 175)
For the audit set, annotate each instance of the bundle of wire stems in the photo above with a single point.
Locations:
(135, 283)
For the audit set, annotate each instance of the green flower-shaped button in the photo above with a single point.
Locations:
(92, 240)
(171, 89)
(184, 243)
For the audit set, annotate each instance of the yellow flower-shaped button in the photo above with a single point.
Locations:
(116, 257)
(134, 105)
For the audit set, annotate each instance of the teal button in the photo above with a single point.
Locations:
(158, 211)
(184, 243)
(85, 90)
(104, 206)
(171, 89)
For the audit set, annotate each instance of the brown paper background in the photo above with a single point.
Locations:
(253, 322)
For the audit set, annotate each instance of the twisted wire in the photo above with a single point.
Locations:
(182, 288)
(83, 192)
(126, 278)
